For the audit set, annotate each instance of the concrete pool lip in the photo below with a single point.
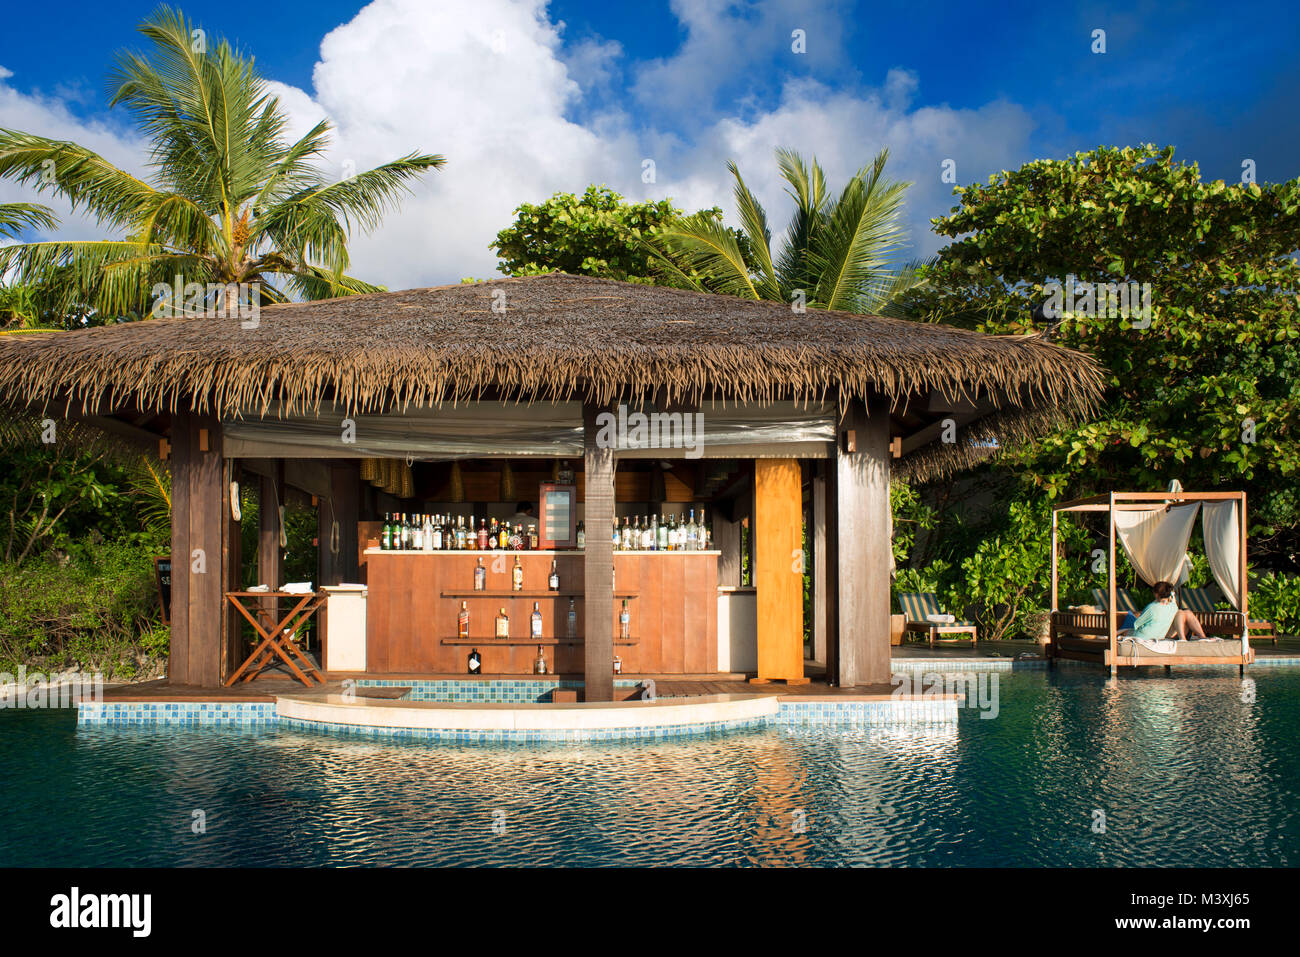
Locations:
(595, 716)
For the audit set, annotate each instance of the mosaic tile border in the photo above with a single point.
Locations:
(868, 714)
(529, 736)
(190, 714)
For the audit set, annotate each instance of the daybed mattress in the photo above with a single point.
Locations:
(1128, 648)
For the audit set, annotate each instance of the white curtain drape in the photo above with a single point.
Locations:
(1222, 526)
(1155, 540)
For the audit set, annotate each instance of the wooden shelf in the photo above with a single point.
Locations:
(494, 593)
(506, 642)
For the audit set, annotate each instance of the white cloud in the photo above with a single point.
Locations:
(491, 85)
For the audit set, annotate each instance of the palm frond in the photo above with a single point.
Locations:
(15, 217)
(862, 233)
(699, 243)
(753, 220)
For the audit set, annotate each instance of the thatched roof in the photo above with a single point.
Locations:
(560, 337)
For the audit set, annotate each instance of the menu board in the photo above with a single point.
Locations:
(163, 570)
(557, 511)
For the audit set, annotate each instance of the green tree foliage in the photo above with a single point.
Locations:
(232, 199)
(837, 252)
(1209, 391)
(596, 234)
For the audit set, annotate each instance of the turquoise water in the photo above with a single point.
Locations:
(1185, 770)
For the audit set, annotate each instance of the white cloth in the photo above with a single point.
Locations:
(1222, 529)
(1155, 539)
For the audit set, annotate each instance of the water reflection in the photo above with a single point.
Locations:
(1186, 770)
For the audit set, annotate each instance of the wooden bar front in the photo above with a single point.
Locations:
(414, 600)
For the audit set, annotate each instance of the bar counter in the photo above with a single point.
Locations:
(415, 598)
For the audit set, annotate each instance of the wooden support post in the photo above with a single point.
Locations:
(1113, 621)
(200, 506)
(270, 555)
(598, 562)
(817, 539)
(778, 569)
(336, 525)
(860, 552)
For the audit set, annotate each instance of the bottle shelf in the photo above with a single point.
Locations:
(525, 593)
(490, 642)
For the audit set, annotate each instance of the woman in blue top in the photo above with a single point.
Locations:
(1162, 618)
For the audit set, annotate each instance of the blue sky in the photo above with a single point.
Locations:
(525, 97)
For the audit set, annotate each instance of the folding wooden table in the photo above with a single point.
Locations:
(277, 641)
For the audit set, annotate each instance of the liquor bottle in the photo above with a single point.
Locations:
(572, 629)
(517, 576)
(386, 537)
(475, 662)
(618, 665)
(397, 532)
(663, 533)
(704, 533)
(462, 621)
(627, 535)
(503, 624)
(480, 576)
(692, 534)
(539, 664)
(652, 533)
(437, 538)
(532, 537)
(408, 533)
(417, 534)
(535, 621)
(624, 621)
(493, 534)
(582, 536)
(647, 537)
(618, 540)
(460, 533)
(503, 536)
(482, 535)
(553, 580)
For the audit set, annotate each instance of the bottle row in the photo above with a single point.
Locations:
(475, 663)
(442, 533)
(663, 533)
(535, 620)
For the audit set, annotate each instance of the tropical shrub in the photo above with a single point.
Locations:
(95, 608)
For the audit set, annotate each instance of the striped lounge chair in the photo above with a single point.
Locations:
(1203, 600)
(1123, 600)
(918, 606)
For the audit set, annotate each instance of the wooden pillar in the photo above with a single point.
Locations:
(859, 560)
(200, 504)
(336, 525)
(270, 555)
(778, 569)
(1112, 611)
(598, 562)
(817, 539)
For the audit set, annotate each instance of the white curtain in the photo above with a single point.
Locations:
(1222, 526)
(1155, 540)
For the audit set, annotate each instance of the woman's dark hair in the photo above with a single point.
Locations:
(1162, 590)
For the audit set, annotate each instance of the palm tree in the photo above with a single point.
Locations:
(232, 200)
(837, 252)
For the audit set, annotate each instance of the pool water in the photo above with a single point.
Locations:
(1187, 770)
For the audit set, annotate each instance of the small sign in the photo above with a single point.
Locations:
(163, 571)
(558, 512)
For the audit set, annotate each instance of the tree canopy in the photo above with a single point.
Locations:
(1205, 383)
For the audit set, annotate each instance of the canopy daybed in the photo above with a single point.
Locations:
(1154, 528)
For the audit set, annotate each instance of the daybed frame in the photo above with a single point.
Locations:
(1077, 636)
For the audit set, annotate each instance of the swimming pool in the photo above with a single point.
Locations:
(1187, 771)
